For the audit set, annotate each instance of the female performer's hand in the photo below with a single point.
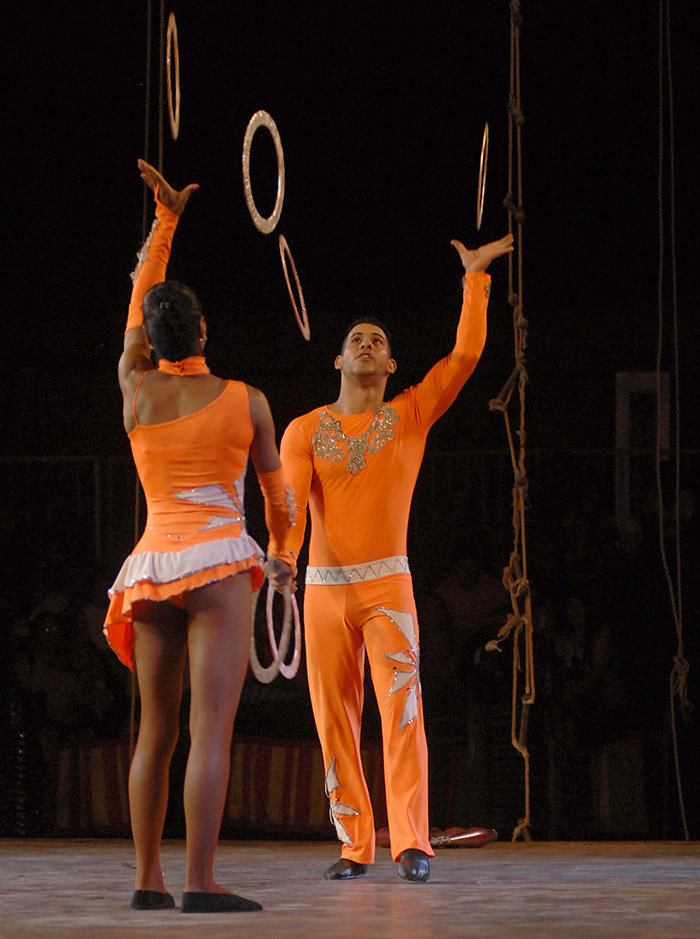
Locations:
(171, 199)
(280, 574)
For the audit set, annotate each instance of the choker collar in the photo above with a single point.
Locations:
(192, 365)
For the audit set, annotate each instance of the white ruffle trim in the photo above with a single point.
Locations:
(164, 567)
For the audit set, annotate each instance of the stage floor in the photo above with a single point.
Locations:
(77, 888)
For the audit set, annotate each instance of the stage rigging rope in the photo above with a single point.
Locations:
(515, 576)
(161, 85)
(144, 225)
(678, 677)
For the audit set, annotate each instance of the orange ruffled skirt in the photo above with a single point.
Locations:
(168, 575)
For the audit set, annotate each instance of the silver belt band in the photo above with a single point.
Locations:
(356, 573)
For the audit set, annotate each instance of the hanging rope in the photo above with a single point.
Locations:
(144, 227)
(515, 575)
(161, 85)
(144, 212)
(147, 115)
(679, 672)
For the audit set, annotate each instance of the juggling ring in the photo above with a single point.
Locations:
(268, 674)
(289, 671)
(303, 324)
(481, 189)
(174, 113)
(265, 225)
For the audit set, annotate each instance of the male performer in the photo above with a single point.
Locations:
(355, 463)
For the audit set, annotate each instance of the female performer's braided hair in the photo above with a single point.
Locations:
(171, 315)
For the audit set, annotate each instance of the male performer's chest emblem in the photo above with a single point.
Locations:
(408, 675)
(329, 442)
(338, 808)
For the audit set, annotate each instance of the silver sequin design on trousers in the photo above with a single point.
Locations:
(338, 808)
(407, 676)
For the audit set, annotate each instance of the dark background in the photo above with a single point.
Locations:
(381, 108)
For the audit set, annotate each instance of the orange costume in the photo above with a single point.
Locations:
(356, 473)
(192, 470)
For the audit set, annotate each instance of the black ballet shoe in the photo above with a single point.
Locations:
(344, 869)
(413, 865)
(151, 900)
(195, 902)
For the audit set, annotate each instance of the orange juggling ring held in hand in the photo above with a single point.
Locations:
(289, 671)
(266, 674)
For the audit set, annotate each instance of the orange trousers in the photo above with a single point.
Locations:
(341, 622)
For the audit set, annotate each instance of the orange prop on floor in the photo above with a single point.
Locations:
(450, 838)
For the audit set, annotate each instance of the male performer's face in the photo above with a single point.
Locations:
(366, 351)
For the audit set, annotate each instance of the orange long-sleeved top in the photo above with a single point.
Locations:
(356, 472)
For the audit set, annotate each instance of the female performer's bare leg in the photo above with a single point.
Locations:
(218, 639)
(160, 645)
(215, 627)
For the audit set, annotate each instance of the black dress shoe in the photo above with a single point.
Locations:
(151, 900)
(413, 865)
(345, 869)
(197, 902)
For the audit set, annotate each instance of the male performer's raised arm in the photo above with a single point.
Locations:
(442, 384)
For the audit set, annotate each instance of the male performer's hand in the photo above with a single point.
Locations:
(478, 259)
(171, 199)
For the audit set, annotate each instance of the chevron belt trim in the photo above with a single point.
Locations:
(356, 573)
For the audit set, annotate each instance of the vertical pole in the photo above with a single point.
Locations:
(161, 83)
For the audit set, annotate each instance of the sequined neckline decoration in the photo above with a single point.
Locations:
(192, 365)
(329, 436)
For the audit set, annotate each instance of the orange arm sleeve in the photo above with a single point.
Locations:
(442, 384)
(297, 460)
(280, 514)
(153, 261)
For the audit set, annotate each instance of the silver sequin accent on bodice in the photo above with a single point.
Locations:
(216, 497)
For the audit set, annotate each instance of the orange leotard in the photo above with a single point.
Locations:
(192, 470)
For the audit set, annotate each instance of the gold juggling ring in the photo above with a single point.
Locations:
(265, 225)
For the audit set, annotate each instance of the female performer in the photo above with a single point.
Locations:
(186, 589)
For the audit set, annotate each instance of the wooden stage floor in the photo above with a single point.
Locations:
(81, 888)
